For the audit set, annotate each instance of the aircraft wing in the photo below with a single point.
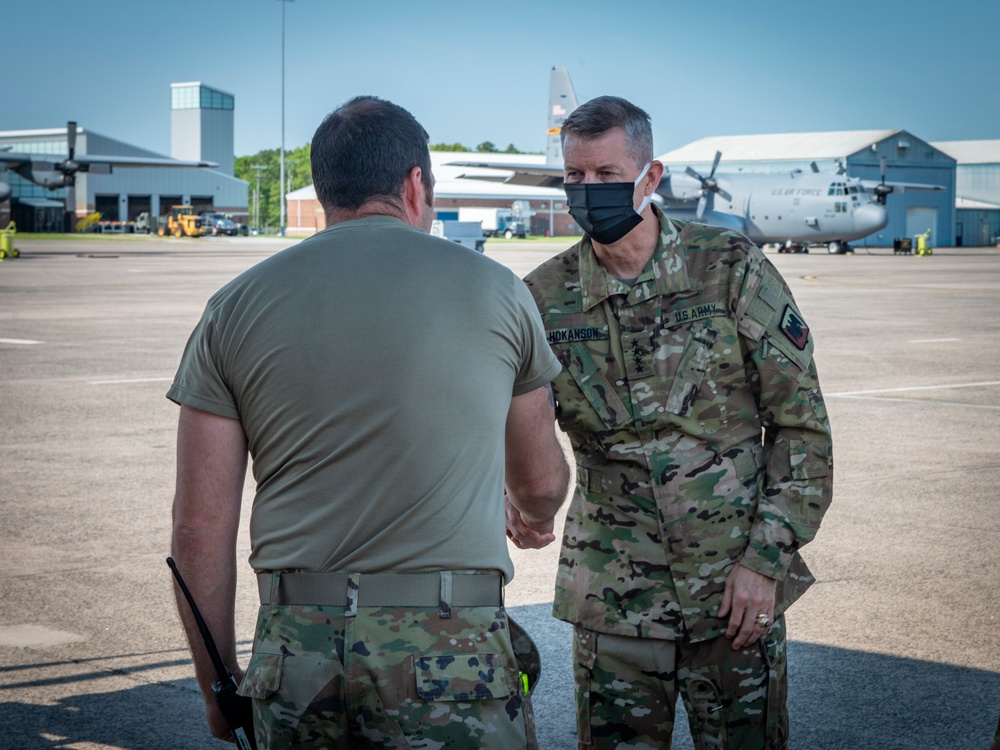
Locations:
(897, 187)
(137, 161)
(12, 159)
(536, 175)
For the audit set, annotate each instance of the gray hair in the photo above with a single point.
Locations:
(598, 116)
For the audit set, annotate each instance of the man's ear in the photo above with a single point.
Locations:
(414, 197)
(654, 175)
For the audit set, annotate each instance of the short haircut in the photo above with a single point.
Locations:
(598, 116)
(364, 150)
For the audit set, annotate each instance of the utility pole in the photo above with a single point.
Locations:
(258, 168)
(281, 179)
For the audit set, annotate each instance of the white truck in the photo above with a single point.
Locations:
(496, 222)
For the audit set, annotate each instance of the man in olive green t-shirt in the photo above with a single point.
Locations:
(388, 386)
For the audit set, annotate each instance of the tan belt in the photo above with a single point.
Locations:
(444, 589)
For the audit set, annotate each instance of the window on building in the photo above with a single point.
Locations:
(199, 97)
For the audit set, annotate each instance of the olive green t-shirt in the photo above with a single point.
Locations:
(372, 368)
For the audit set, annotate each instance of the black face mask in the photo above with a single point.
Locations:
(604, 210)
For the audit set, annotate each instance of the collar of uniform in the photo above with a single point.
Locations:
(665, 272)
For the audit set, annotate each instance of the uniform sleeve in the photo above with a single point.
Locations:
(199, 381)
(538, 364)
(798, 453)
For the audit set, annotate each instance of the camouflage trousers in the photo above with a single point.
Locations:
(626, 690)
(386, 677)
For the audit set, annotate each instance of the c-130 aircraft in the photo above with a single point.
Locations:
(790, 209)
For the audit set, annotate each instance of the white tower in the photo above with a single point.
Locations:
(201, 124)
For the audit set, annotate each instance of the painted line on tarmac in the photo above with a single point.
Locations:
(130, 380)
(915, 388)
(19, 342)
(933, 341)
(911, 401)
(824, 278)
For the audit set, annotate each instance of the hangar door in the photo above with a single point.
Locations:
(919, 219)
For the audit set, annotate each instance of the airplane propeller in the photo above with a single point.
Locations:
(708, 186)
(69, 169)
(882, 190)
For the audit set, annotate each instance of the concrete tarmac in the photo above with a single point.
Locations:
(896, 646)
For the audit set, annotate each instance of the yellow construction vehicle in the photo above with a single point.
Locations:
(180, 222)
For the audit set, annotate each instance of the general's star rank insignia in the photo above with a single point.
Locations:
(795, 328)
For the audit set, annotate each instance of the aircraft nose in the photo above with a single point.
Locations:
(870, 217)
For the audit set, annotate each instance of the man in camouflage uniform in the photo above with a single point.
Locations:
(388, 386)
(703, 454)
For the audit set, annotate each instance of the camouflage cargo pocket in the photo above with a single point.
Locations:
(594, 387)
(263, 676)
(461, 677)
(809, 460)
(691, 370)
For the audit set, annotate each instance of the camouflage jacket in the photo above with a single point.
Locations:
(701, 439)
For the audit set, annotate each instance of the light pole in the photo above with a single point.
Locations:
(256, 195)
(281, 179)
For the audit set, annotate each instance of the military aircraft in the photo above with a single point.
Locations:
(54, 174)
(792, 209)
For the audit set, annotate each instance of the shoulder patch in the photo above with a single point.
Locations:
(794, 328)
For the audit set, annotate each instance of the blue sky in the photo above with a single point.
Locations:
(473, 71)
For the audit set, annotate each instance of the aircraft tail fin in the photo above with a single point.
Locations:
(562, 101)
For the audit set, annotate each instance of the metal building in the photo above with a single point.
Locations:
(977, 188)
(908, 159)
(201, 129)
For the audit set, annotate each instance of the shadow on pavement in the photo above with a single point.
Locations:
(839, 700)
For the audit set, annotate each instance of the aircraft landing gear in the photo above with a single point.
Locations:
(790, 247)
(839, 248)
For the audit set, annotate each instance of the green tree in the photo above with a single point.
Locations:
(486, 147)
(297, 174)
(448, 147)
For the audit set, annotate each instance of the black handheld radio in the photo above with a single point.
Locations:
(237, 710)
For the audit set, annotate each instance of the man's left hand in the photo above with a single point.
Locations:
(748, 595)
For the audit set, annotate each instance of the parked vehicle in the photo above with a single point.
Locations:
(496, 222)
(218, 224)
(467, 233)
(180, 222)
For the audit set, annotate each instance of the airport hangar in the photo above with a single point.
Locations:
(908, 159)
(977, 215)
(201, 128)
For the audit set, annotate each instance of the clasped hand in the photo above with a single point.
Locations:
(527, 533)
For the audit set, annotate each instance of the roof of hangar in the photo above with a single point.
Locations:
(971, 152)
(778, 146)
